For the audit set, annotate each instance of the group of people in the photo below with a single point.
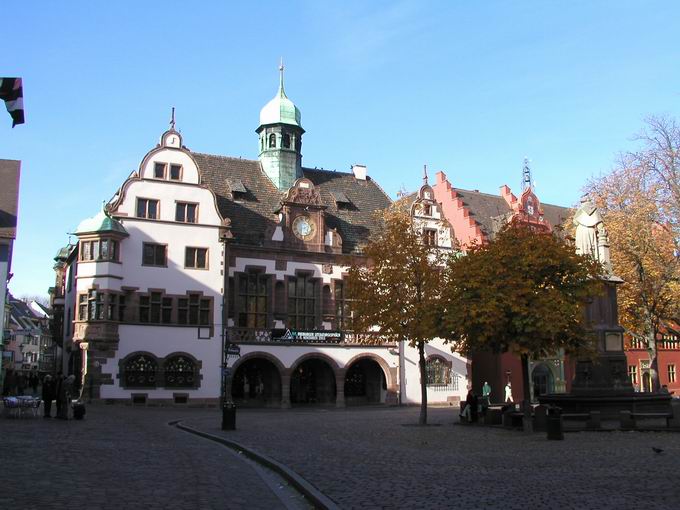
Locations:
(61, 391)
(18, 382)
(474, 404)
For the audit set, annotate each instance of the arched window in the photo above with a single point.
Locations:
(262, 143)
(272, 141)
(180, 372)
(438, 371)
(140, 371)
(286, 141)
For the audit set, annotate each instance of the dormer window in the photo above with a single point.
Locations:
(427, 210)
(175, 172)
(286, 141)
(272, 141)
(159, 170)
(341, 199)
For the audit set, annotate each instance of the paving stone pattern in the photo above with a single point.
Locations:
(121, 458)
(366, 458)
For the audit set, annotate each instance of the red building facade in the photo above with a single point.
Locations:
(476, 218)
(668, 361)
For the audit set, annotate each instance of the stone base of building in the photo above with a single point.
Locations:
(140, 399)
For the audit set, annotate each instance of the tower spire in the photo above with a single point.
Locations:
(282, 92)
(526, 175)
(425, 175)
(172, 119)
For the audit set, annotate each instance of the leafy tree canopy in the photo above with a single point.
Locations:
(522, 292)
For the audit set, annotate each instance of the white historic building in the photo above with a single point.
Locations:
(194, 249)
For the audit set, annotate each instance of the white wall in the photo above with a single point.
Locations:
(435, 347)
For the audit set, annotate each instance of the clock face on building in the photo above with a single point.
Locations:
(304, 227)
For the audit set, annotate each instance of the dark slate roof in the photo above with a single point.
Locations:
(488, 210)
(9, 197)
(254, 212)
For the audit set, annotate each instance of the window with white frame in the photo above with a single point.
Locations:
(196, 258)
(154, 255)
(147, 208)
(671, 373)
(633, 374)
(186, 212)
(159, 170)
(175, 172)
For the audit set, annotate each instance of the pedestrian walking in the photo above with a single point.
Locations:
(48, 394)
(508, 392)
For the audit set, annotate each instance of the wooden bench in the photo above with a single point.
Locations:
(591, 418)
(629, 419)
(513, 419)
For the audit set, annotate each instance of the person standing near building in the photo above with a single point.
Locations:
(486, 392)
(48, 394)
(33, 382)
(508, 392)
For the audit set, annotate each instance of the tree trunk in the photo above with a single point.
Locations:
(526, 391)
(653, 361)
(423, 383)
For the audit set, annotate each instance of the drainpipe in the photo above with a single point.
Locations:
(402, 374)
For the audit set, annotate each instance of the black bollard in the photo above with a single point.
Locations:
(228, 416)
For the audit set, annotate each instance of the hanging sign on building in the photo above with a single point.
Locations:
(312, 337)
(233, 350)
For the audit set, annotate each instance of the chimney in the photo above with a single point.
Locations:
(359, 172)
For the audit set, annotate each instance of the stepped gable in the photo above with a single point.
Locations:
(255, 212)
(486, 209)
(483, 208)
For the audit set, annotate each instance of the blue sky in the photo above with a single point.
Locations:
(470, 88)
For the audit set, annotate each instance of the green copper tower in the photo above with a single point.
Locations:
(280, 133)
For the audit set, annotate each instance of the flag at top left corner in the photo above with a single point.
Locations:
(11, 91)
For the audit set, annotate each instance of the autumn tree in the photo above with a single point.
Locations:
(397, 293)
(658, 159)
(640, 201)
(524, 293)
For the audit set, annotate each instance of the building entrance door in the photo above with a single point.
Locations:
(256, 383)
(312, 382)
(365, 383)
(646, 380)
(542, 380)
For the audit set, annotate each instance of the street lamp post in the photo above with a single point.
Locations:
(228, 407)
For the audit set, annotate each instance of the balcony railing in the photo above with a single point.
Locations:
(315, 337)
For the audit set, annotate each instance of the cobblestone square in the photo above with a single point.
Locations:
(129, 457)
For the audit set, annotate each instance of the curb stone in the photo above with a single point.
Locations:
(313, 495)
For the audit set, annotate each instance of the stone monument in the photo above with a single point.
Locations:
(602, 383)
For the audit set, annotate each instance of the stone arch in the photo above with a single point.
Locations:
(259, 354)
(324, 357)
(257, 384)
(316, 378)
(390, 377)
(150, 382)
(368, 381)
(542, 378)
(198, 364)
